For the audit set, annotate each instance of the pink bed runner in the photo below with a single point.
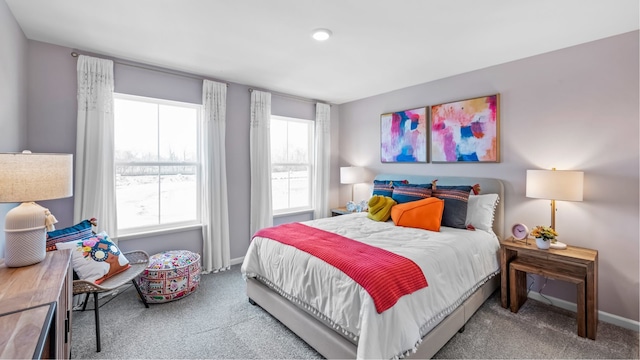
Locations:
(384, 275)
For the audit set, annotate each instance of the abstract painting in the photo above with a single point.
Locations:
(466, 130)
(403, 136)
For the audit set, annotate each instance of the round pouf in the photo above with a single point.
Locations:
(170, 275)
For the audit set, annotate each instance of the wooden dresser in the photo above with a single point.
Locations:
(35, 308)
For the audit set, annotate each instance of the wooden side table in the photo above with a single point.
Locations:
(518, 270)
(343, 211)
(340, 211)
(571, 264)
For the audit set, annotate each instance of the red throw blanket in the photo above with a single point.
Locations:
(386, 276)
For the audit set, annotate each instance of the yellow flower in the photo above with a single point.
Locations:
(545, 232)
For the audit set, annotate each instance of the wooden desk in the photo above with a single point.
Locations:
(26, 295)
(568, 264)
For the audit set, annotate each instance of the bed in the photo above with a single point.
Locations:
(292, 285)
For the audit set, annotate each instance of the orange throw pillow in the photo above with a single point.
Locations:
(423, 214)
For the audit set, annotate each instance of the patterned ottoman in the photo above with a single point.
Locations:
(171, 275)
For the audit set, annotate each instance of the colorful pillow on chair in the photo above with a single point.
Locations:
(79, 231)
(97, 258)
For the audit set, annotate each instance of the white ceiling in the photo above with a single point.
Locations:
(377, 45)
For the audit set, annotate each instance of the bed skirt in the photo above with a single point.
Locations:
(332, 345)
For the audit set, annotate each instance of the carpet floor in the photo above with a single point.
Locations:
(217, 322)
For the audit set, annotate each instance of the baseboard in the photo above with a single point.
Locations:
(602, 316)
(237, 261)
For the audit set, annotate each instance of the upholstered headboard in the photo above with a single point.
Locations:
(487, 186)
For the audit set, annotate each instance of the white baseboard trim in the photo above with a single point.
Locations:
(602, 316)
(237, 261)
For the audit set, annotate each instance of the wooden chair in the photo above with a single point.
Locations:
(139, 260)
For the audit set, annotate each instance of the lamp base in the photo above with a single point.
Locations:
(558, 245)
(25, 235)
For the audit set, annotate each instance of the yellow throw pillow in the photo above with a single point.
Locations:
(423, 214)
(380, 207)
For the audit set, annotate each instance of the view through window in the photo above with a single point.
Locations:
(291, 164)
(157, 163)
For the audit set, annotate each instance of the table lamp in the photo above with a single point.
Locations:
(27, 177)
(555, 185)
(352, 175)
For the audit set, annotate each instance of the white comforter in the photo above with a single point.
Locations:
(455, 263)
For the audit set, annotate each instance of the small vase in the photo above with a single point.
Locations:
(542, 243)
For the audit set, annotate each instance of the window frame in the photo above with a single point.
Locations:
(311, 164)
(165, 227)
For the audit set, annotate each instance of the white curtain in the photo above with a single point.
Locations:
(323, 153)
(260, 143)
(95, 189)
(215, 211)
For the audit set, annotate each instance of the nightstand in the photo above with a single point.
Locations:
(340, 211)
(573, 264)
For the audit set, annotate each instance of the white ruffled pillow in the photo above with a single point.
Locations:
(480, 211)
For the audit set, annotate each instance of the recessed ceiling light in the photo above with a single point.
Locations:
(321, 34)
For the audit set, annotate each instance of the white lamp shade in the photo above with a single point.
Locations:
(555, 184)
(34, 177)
(26, 178)
(352, 175)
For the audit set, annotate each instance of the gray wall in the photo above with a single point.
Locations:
(52, 128)
(13, 94)
(52, 111)
(573, 109)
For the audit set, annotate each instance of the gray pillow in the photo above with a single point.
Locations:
(455, 199)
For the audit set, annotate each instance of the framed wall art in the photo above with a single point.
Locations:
(466, 131)
(403, 136)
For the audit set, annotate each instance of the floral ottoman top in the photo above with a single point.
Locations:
(172, 259)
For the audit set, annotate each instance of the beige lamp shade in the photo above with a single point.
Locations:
(26, 178)
(555, 185)
(352, 175)
(34, 177)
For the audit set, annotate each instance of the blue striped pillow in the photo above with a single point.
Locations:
(403, 193)
(80, 231)
(385, 187)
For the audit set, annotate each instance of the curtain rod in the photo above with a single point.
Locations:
(300, 98)
(152, 68)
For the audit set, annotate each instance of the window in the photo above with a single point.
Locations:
(292, 166)
(157, 158)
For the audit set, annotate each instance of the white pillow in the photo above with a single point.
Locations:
(480, 210)
(96, 258)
